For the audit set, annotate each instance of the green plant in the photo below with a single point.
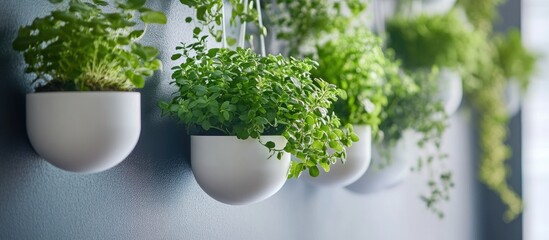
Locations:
(354, 63)
(302, 21)
(514, 59)
(429, 40)
(237, 92)
(240, 93)
(413, 105)
(484, 84)
(481, 13)
(83, 48)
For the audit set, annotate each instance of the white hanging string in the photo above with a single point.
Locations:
(223, 28)
(261, 36)
(242, 38)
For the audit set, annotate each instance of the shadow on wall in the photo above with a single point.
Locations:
(13, 133)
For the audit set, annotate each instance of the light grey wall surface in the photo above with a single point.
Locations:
(153, 194)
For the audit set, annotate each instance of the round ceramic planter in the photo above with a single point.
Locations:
(513, 97)
(85, 132)
(450, 90)
(238, 172)
(358, 160)
(379, 178)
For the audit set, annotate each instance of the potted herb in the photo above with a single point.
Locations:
(302, 23)
(413, 114)
(255, 111)
(83, 116)
(428, 41)
(354, 62)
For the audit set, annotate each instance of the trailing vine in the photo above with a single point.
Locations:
(499, 59)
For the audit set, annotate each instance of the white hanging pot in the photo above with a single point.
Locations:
(384, 173)
(513, 97)
(85, 132)
(358, 160)
(450, 90)
(238, 172)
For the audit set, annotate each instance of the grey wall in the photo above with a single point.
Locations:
(153, 195)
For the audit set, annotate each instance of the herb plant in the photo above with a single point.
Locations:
(354, 63)
(81, 47)
(303, 21)
(240, 93)
(426, 41)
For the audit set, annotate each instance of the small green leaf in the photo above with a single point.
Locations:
(336, 146)
(201, 12)
(136, 34)
(154, 17)
(313, 171)
(354, 137)
(176, 56)
(197, 30)
(98, 2)
(270, 144)
(231, 41)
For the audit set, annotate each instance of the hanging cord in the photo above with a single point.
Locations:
(261, 27)
(223, 28)
(242, 38)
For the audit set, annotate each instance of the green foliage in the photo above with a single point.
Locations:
(355, 63)
(237, 92)
(83, 48)
(301, 21)
(481, 13)
(484, 84)
(514, 59)
(209, 14)
(430, 40)
(413, 105)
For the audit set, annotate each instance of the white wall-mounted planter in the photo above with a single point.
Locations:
(238, 172)
(376, 179)
(358, 160)
(513, 97)
(450, 90)
(85, 132)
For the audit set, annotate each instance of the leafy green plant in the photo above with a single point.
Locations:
(302, 21)
(242, 94)
(83, 48)
(514, 59)
(354, 63)
(430, 40)
(413, 105)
